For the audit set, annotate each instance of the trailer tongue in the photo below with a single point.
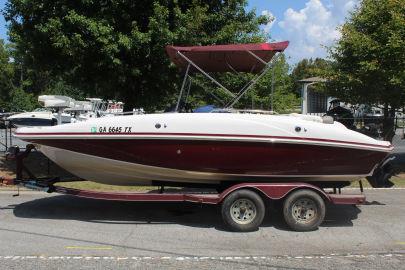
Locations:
(242, 205)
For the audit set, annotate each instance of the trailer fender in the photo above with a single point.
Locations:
(274, 191)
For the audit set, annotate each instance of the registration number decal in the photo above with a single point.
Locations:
(111, 129)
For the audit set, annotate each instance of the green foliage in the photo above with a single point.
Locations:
(307, 68)
(6, 74)
(60, 87)
(284, 100)
(115, 49)
(15, 94)
(21, 101)
(370, 57)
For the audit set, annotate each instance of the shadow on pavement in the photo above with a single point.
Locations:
(374, 203)
(340, 215)
(118, 212)
(66, 207)
(11, 206)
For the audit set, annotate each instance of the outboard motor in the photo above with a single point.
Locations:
(382, 174)
(342, 115)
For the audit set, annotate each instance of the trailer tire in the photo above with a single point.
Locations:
(304, 210)
(243, 210)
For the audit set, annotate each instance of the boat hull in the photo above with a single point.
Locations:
(142, 161)
(208, 148)
(32, 122)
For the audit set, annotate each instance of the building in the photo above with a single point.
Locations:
(313, 102)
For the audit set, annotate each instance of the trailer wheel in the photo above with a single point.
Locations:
(304, 210)
(243, 210)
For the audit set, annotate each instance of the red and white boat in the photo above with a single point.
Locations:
(211, 148)
(208, 148)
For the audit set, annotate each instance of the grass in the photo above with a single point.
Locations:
(87, 185)
(398, 180)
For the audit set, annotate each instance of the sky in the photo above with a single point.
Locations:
(309, 25)
(3, 29)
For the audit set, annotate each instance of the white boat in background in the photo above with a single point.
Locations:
(56, 101)
(81, 111)
(59, 109)
(51, 114)
(114, 108)
(58, 104)
(38, 117)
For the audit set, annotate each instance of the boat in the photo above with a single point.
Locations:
(58, 110)
(38, 117)
(214, 148)
(209, 148)
(81, 111)
(51, 114)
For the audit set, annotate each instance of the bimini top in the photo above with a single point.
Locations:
(223, 58)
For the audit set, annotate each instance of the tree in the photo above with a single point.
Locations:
(370, 58)
(307, 68)
(284, 100)
(59, 87)
(115, 49)
(6, 75)
(21, 101)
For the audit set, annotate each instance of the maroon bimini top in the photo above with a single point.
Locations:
(225, 58)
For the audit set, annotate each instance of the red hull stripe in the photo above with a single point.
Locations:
(205, 135)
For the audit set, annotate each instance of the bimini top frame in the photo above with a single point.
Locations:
(251, 58)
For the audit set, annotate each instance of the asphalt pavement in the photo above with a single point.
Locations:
(39, 230)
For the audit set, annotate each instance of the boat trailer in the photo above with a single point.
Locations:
(242, 205)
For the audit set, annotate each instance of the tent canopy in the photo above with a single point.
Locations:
(225, 58)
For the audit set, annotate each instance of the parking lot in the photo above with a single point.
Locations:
(56, 230)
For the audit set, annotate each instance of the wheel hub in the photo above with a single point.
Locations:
(243, 211)
(304, 210)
